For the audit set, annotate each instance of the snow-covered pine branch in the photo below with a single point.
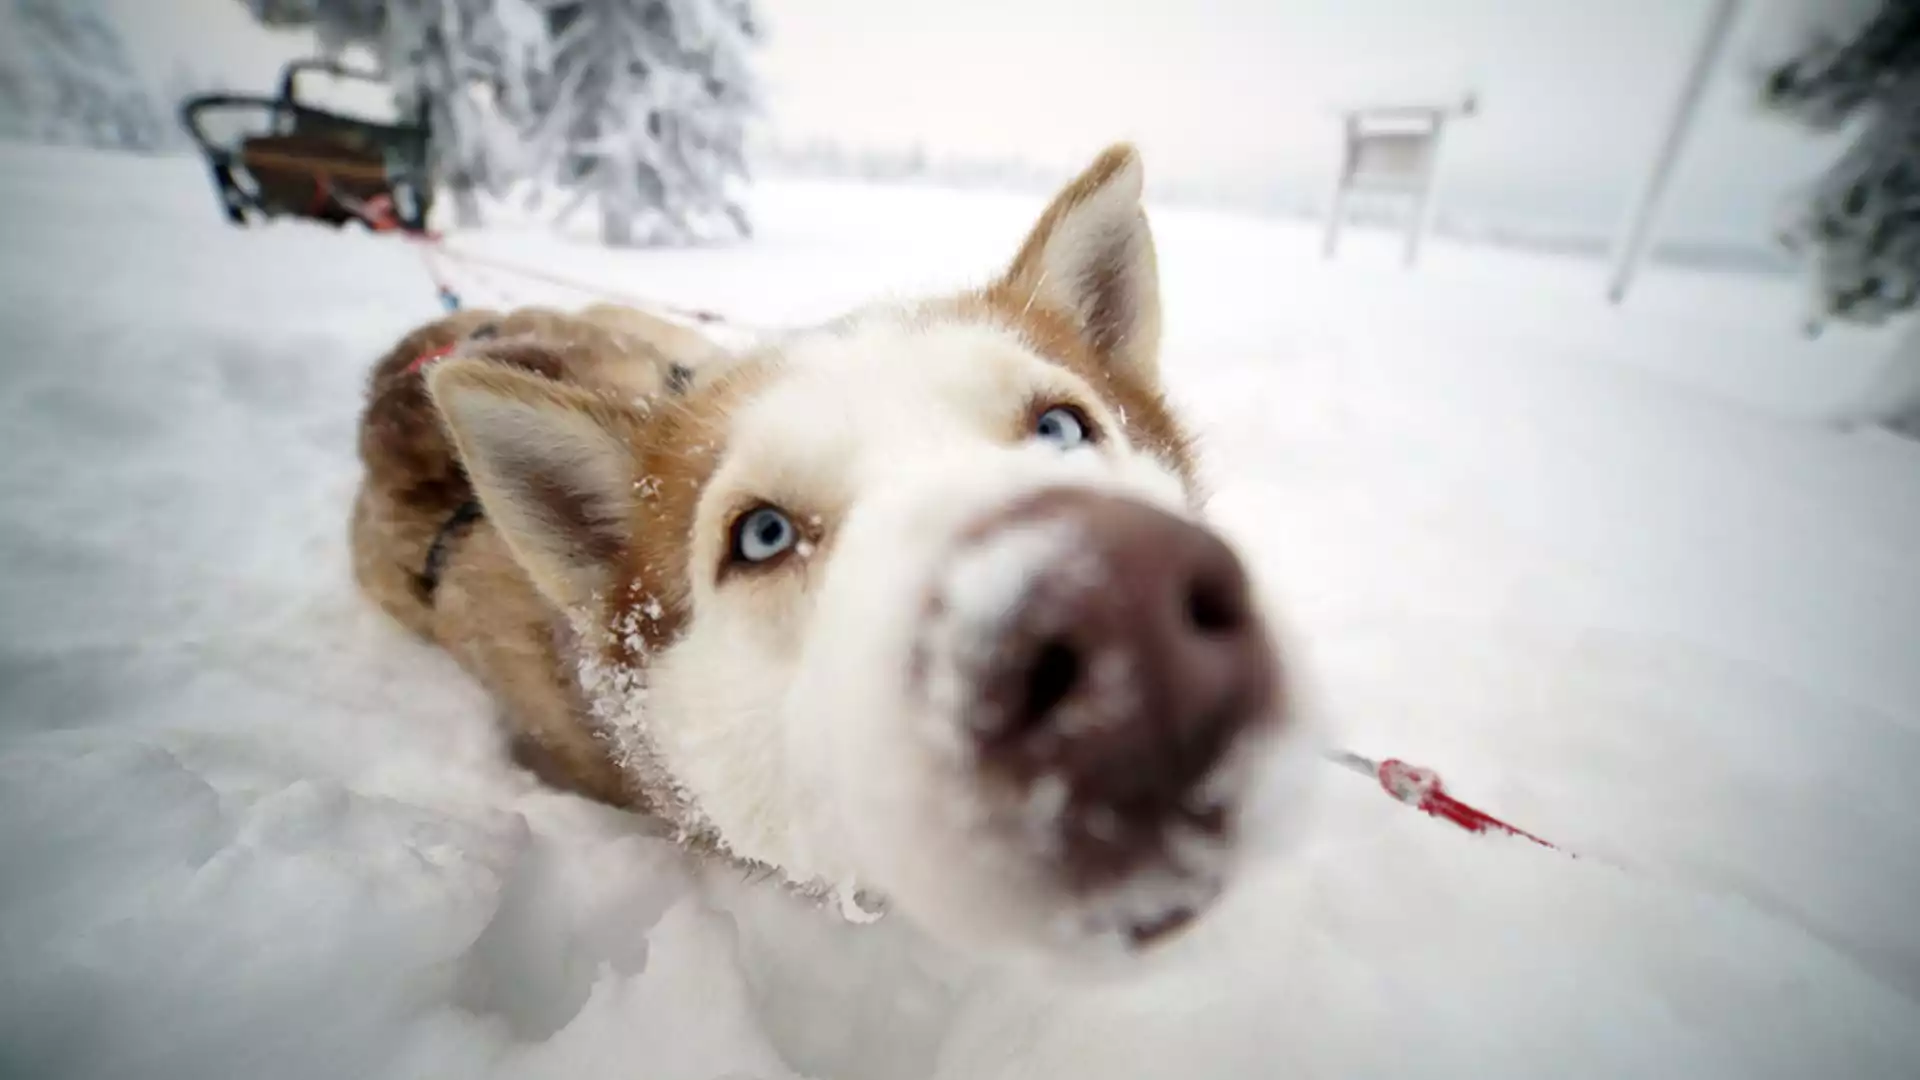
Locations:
(337, 23)
(65, 77)
(1862, 220)
(648, 111)
(470, 62)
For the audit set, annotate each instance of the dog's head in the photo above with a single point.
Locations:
(917, 603)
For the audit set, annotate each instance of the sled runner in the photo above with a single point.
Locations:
(274, 156)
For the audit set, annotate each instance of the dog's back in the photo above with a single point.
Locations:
(413, 481)
(423, 551)
(415, 492)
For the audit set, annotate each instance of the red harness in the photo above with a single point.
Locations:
(421, 362)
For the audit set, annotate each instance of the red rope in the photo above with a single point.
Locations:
(1421, 789)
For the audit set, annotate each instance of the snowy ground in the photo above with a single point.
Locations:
(1591, 563)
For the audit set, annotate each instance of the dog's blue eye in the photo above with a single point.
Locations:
(763, 534)
(1062, 425)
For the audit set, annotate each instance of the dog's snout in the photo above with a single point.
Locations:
(1131, 663)
(1159, 603)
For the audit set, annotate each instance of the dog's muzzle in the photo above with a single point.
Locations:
(1104, 659)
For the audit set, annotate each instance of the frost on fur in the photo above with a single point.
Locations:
(615, 692)
(978, 596)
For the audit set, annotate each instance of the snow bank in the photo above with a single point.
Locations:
(248, 828)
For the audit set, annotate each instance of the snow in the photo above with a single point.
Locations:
(978, 596)
(1593, 565)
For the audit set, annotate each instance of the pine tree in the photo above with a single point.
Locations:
(1863, 219)
(637, 106)
(470, 63)
(65, 77)
(338, 23)
(646, 112)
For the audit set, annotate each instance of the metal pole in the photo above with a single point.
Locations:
(1428, 202)
(1338, 205)
(1646, 208)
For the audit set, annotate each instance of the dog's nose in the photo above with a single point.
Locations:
(1130, 663)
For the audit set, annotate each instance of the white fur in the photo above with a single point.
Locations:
(784, 710)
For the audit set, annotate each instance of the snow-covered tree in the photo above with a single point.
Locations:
(646, 113)
(638, 107)
(338, 23)
(472, 63)
(65, 77)
(1863, 219)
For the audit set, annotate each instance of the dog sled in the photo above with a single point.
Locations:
(285, 156)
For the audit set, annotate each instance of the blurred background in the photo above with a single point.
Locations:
(1236, 104)
(1639, 131)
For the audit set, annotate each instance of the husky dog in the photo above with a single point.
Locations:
(913, 608)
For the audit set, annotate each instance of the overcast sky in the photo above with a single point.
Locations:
(1573, 92)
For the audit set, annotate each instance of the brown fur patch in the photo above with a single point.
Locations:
(1113, 297)
(683, 447)
(1091, 179)
(404, 449)
(687, 346)
(512, 638)
(413, 475)
(486, 613)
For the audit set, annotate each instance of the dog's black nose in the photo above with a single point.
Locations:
(1132, 660)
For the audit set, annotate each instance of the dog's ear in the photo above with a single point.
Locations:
(554, 467)
(1091, 258)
